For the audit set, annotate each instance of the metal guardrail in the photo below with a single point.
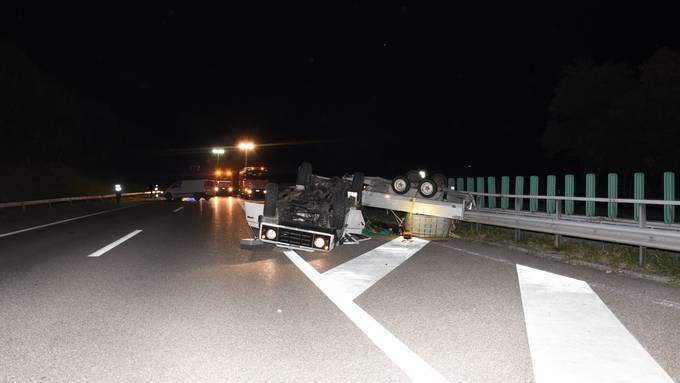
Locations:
(638, 233)
(24, 204)
(586, 199)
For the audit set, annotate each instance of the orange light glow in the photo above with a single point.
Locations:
(228, 173)
(218, 172)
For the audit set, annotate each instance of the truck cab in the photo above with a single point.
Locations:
(252, 182)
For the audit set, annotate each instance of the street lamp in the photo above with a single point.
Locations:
(218, 152)
(245, 146)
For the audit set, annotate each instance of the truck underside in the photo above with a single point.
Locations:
(318, 213)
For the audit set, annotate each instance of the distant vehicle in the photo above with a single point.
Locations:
(252, 181)
(225, 188)
(156, 192)
(201, 188)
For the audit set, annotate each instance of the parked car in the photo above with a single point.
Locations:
(197, 189)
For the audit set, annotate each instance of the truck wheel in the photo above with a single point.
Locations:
(427, 188)
(358, 184)
(270, 200)
(440, 180)
(304, 176)
(401, 185)
(169, 197)
(339, 208)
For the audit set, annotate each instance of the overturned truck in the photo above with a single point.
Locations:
(319, 213)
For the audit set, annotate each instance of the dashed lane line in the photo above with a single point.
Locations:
(408, 361)
(63, 221)
(178, 209)
(114, 244)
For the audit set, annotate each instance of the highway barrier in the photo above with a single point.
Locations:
(24, 204)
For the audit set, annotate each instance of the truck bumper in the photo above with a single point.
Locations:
(296, 238)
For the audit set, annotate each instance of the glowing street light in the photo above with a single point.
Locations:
(246, 146)
(218, 152)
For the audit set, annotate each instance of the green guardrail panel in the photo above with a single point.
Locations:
(505, 189)
(533, 190)
(470, 186)
(491, 186)
(452, 183)
(668, 195)
(551, 190)
(590, 193)
(460, 184)
(519, 190)
(569, 192)
(480, 189)
(638, 192)
(612, 192)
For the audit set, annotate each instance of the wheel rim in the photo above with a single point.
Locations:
(400, 185)
(426, 188)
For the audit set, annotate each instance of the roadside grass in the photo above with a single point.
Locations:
(50, 181)
(616, 256)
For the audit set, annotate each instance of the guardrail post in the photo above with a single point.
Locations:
(638, 193)
(460, 184)
(519, 190)
(642, 214)
(550, 192)
(491, 181)
(668, 195)
(558, 213)
(612, 192)
(590, 193)
(470, 187)
(480, 189)
(569, 192)
(505, 189)
(533, 190)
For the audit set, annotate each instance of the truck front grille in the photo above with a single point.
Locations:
(294, 237)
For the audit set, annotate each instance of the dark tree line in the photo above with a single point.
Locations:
(42, 121)
(614, 117)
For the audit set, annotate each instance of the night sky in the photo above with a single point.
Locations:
(458, 87)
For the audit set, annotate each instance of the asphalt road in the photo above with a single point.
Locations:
(179, 301)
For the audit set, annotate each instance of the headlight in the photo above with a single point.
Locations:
(249, 191)
(216, 188)
(270, 234)
(231, 189)
(319, 242)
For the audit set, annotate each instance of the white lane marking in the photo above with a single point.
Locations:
(62, 221)
(357, 275)
(629, 294)
(409, 362)
(574, 337)
(178, 209)
(114, 244)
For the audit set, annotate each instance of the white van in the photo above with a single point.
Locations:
(191, 188)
